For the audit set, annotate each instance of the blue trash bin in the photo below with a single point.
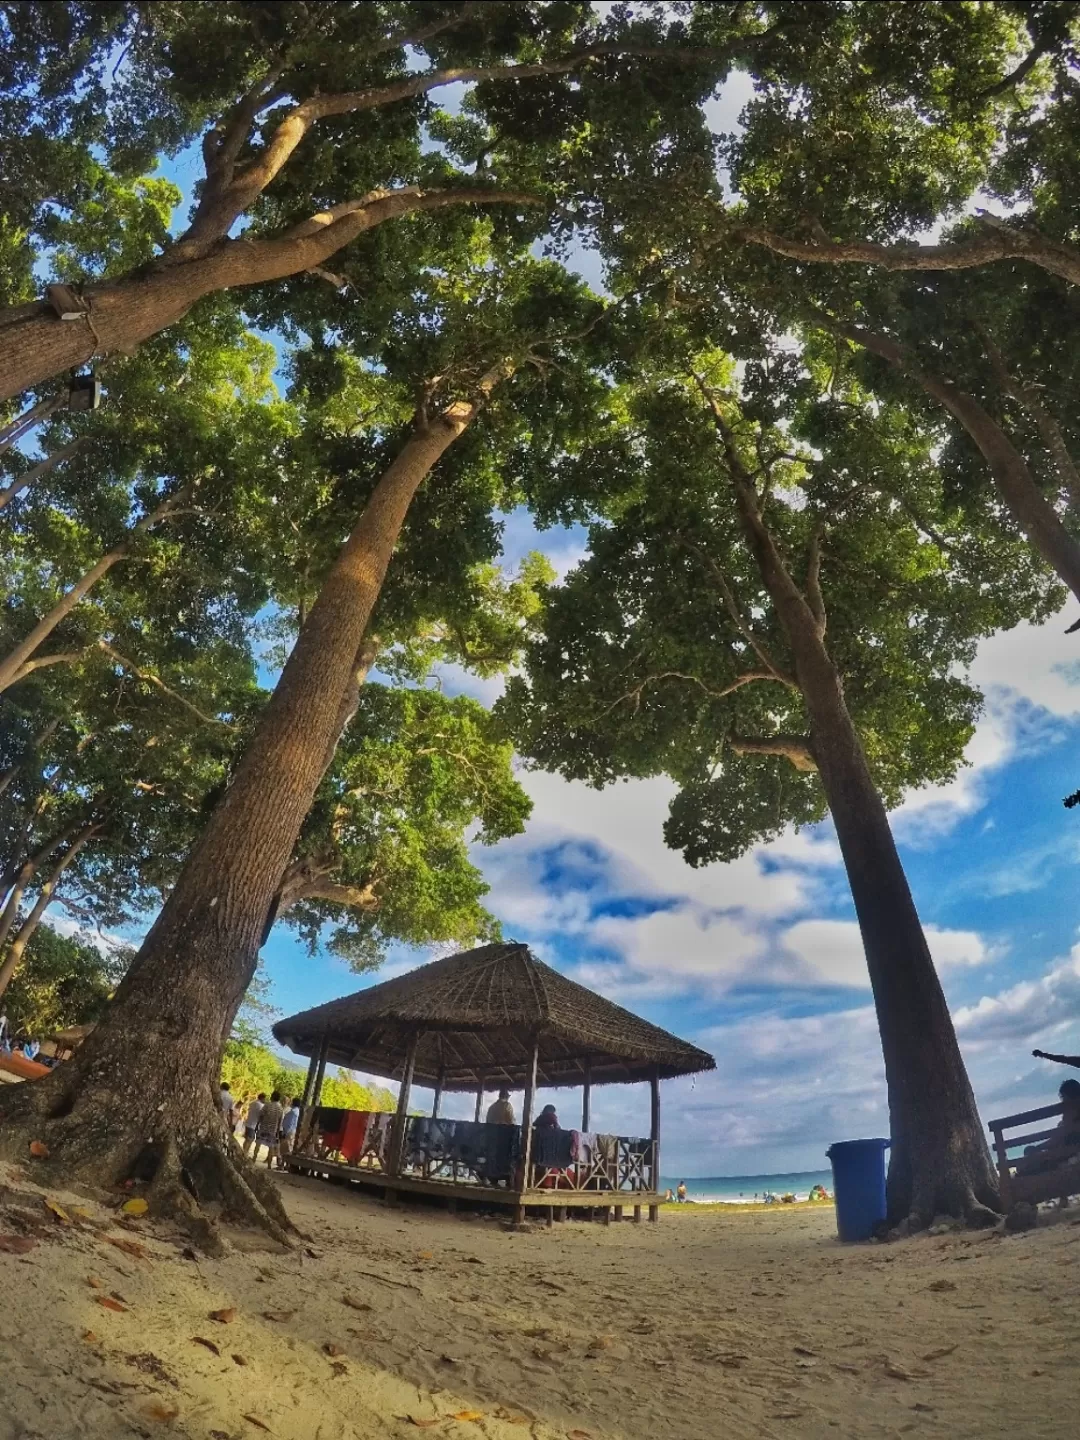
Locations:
(858, 1168)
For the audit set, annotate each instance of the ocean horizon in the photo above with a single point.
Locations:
(740, 1189)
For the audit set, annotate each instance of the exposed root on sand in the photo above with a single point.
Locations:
(193, 1169)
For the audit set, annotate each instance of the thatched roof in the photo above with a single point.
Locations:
(477, 1013)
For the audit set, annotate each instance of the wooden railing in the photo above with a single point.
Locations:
(462, 1152)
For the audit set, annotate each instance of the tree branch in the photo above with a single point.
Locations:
(39, 471)
(1042, 44)
(795, 748)
(150, 679)
(636, 692)
(1048, 428)
(814, 597)
(997, 241)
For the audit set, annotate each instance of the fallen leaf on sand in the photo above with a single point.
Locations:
(95, 1283)
(469, 1415)
(805, 1364)
(206, 1344)
(90, 1337)
(254, 1420)
(339, 1368)
(940, 1285)
(448, 1360)
(940, 1354)
(39, 1149)
(135, 1206)
(802, 1350)
(312, 1254)
(16, 1244)
(239, 1360)
(279, 1317)
(157, 1411)
(58, 1210)
(425, 1255)
(80, 1213)
(355, 1304)
(331, 1349)
(898, 1372)
(224, 1317)
(108, 1303)
(579, 1435)
(129, 1247)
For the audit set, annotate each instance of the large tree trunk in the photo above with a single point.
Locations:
(121, 315)
(141, 1089)
(939, 1160)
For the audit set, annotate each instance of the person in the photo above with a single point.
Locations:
(270, 1118)
(251, 1122)
(501, 1112)
(1073, 1060)
(227, 1103)
(680, 1192)
(1064, 1142)
(669, 1196)
(547, 1119)
(290, 1122)
(30, 1049)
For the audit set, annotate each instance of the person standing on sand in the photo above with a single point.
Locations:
(501, 1112)
(228, 1104)
(287, 1138)
(269, 1126)
(680, 1193)
(251, 1122)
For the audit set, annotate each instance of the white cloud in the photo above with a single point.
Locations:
(832, 950)
(1030, 676)
(1045, 1008)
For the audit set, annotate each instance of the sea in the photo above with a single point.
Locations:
(743, 1189)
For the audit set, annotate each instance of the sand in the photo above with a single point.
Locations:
(711, 1324)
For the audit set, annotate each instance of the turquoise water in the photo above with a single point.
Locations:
(733, 1189)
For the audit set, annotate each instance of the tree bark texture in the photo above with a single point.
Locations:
(146, 1078)
(1015, 483)
(125, 313)
(939, 1161)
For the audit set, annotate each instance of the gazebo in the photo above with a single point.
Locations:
(486, 1019)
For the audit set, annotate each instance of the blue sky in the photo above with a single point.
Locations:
(759, 961)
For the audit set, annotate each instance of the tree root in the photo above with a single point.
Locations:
(187, 1171)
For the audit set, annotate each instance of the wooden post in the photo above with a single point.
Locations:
(654, 1133)
(312, 1094)
(527, 1116)
(438, 1093)
(637, 1214)
(320, 1073)
(479, 1100)
(397, 1138)
(309, 1083)
(586, 1098)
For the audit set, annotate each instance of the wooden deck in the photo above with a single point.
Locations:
(555, 1201)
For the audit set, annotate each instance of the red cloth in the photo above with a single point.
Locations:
(350, 1139)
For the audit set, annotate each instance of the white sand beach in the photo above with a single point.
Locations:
(388, 1321)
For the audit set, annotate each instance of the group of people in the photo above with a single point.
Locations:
(27, 1048)
(501, 1112)
(260, 1122)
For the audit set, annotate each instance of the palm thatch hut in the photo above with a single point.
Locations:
(491, 1018)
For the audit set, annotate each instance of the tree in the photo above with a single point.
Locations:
(383, 853)
(182, 991)
(311, 136)
(65, 980)
(763, 617)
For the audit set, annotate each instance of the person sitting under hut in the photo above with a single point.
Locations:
(1063, 1143)
(501, 1112)
(547, 1119)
